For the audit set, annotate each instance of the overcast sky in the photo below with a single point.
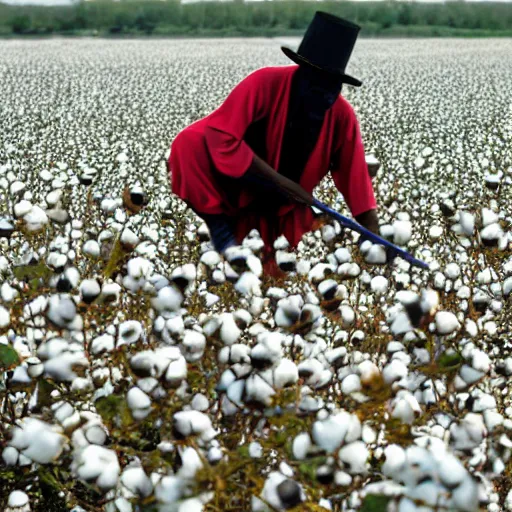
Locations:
(66, 2)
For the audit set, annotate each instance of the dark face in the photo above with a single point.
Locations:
(318, 91)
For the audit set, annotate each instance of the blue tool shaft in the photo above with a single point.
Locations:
(376, 239)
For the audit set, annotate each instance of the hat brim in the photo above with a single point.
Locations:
(298, 59)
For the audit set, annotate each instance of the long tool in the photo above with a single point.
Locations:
(393, 251)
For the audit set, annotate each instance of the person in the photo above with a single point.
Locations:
(254, 161)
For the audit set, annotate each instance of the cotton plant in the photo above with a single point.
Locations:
(121, 326)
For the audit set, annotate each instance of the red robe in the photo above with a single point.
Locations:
(215, 144)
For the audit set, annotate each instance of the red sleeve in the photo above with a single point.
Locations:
(349, 168)
(226, 126)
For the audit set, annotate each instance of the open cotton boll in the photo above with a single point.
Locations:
(402, 232)
(129, 332)
(330, 432)
(35, 219)
(285, 374)
(18, 501)
(168, 300)
(5, 317)
(38, 441)
(189, 423)
(138, 402)
(89, 290)
(376, 255)
(248, 285)
(193, 344)
(103, 343)
(229, 330)
(137, 482)
(258, 390)
(354, 456)
(301, 446)
(379, 285)
(98, 465)
(91, 248)
(405, 407)
(446, 322)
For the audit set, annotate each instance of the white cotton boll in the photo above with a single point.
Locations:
(439, 281)
(10, 456)
(5, 317)
(37, 440)
(89, 290)
(343, 255)
(194, 344)
(301, 446)
(368, 371)
(169, 489)
(129, 332)
(379, 285)
(257, 389)
(351, 384)
(285, 374)
(329, 433)
(507, 287)
(189, 423)
(328, 233)
(491, 232)
(176, 372)
(137, 399)
(229, 330)
(249, 285)
(446, 322)
(395, 460)
(394, 371)
(91, 248)
(467, 223)
(452, 271)
(402, 232)
(191, 463)
(129, 238)
(435, 232)
(136, 481)
(354, 456)
(22, 207)
(465, 496)
(376, 255)
(103, 343)
(489, 217)
(451, 471)
(405, 407)
(168, 299)
(387, 231)
(18, 502)
(254, 265)
(480, 361)
(255, 450)
(35, 219)
(97, 464)
(484, 276)
(200, 402)
(348, 315)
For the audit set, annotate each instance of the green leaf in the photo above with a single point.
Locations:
(450, 361)
(8, 357)
(375, 503)
(114, 410)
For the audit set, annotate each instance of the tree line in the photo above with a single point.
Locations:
(267, 18)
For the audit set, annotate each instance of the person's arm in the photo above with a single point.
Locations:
(351, 176)
(261, 174)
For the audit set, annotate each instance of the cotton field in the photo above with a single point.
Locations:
(143, 371)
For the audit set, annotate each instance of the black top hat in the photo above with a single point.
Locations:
(327, 45)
